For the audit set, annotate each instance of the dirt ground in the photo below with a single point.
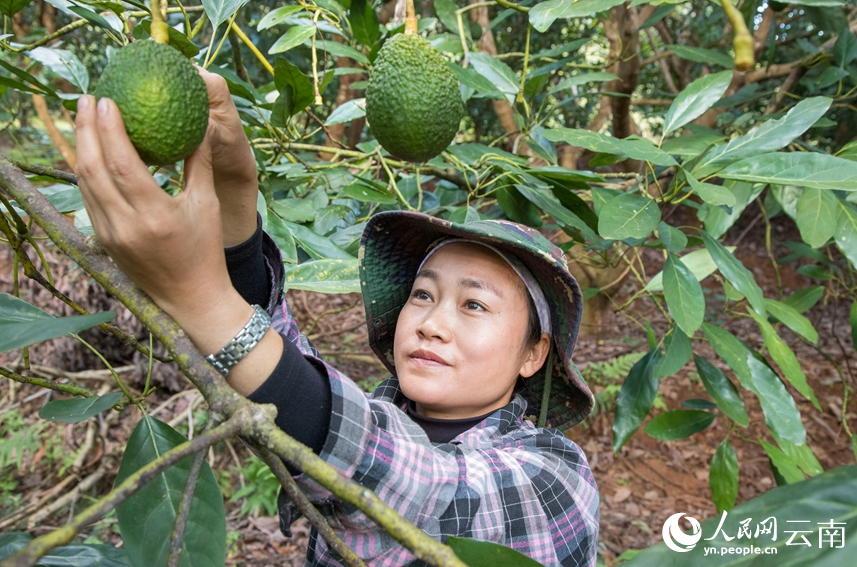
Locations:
(640, 487)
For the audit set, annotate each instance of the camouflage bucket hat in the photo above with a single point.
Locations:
(394, 244)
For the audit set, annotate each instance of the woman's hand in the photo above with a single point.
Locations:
(232, 162)
(169, 246)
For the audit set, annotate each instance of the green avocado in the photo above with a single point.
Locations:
(162, 98)
(413, 103)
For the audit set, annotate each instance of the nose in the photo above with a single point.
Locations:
(435, 323)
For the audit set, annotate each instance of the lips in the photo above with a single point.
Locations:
(427, 358)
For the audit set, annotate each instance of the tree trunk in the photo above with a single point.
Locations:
(505, 112)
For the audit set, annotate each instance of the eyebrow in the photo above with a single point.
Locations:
(465, 282)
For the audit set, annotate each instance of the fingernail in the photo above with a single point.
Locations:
(102, 107)
(83, 103)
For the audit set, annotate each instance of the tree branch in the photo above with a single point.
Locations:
(45, 383)
(222, 399)
(37, 548)
(309, 511)
(177, 537)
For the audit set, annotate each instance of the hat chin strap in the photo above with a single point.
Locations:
(533, 287)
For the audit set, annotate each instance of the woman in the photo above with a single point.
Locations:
(466, 317)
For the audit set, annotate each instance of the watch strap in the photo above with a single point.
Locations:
(240, 346)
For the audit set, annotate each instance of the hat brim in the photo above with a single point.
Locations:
(392, 248)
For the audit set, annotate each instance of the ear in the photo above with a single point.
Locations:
(535, 356)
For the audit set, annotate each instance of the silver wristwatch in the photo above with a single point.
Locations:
(243, 343)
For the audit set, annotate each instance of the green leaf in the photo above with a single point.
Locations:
(41, 87)
(354, 108)
(684, 296)
(325, 276)
(723, 476)
(78, 555)
(471, 79)
(768, 137)
(177, 39)
(677, 351)
(288, 76)
(673, 239)
(317, 246)
(218, 11)
(365, 194)
(77, 409)
(678, 424)
(547, 202)
(853, 320)
(785, 359)
(277, 16)
(500, 74)
(698, 403)
(294, 210)
(699, 262)
(702, 55)
(635, 399)
(830, 497)
(582, 79)
(517, 207)
(802, 456)
(476, 553)
(784, 465)
(11, 7)
(695, 99)
(632, 148)
(816, 272)
(846, 231)
(712, 194)
(717, 220)
(845, 49)
(543, 14)
(735, 272)
(781, 413)
(804, 299)
(22, 324)
(295, 36)
(445, 10)
(282, 236)
(327, 218)
(63, 63)
(816, 212)
(803, 169)
(792, 319)
(146, 518)
(364, 22)
(628, 216)
(340, 50)
(723, 391)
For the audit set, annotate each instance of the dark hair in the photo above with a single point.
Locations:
(534, 327)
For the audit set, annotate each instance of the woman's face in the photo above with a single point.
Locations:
(459, 344)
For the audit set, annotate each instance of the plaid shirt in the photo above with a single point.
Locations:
(503, 480)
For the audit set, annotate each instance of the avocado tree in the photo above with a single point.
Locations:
(596, 120)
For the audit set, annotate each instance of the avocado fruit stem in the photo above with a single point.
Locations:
(159, 29)
(411, 26)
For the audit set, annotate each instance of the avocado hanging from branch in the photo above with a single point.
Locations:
(413, 102)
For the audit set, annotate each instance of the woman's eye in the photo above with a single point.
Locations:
(420, 294)
(473, 305)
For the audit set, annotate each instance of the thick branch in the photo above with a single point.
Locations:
(222, 399)
(302, 457)
(38, 547)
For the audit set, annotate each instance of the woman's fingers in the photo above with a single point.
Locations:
(95, 183)
(128, 172)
